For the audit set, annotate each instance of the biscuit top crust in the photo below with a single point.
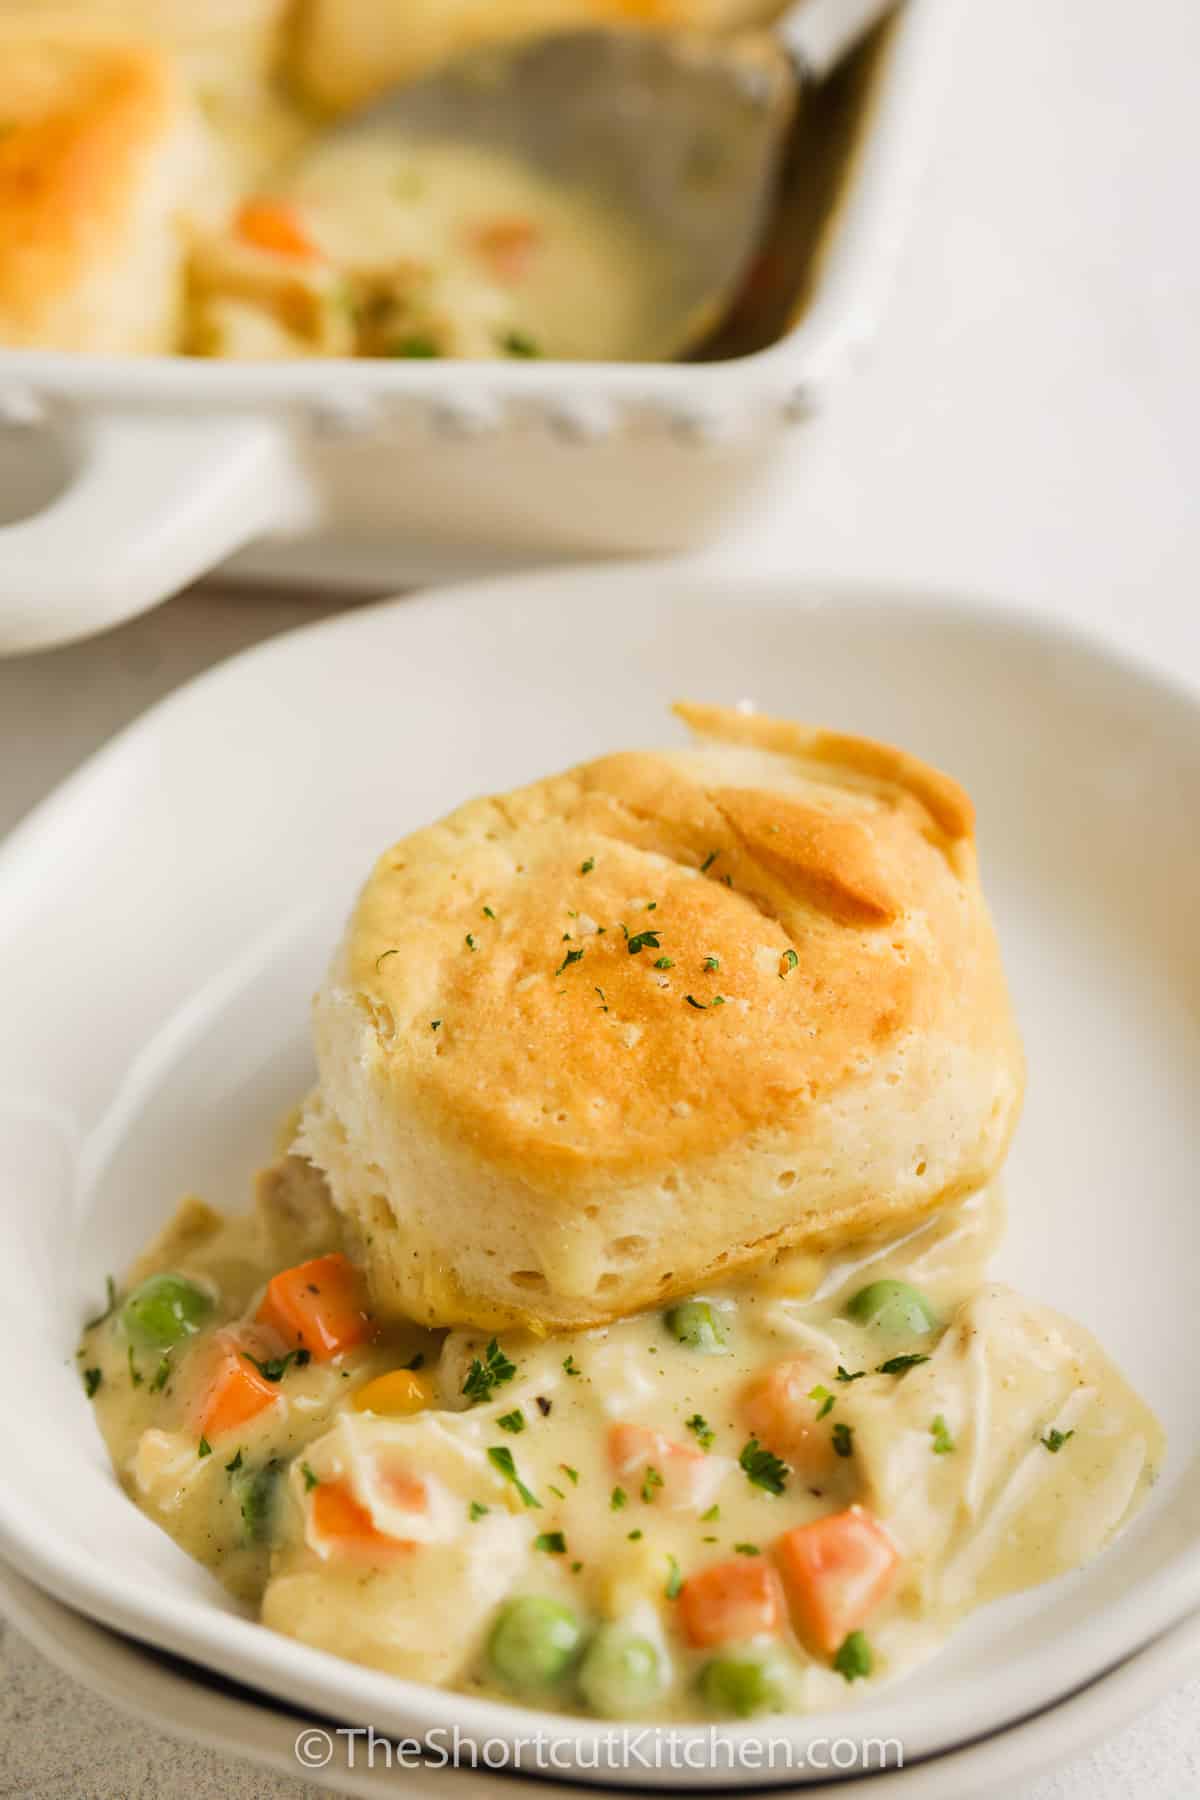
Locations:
(656, 954)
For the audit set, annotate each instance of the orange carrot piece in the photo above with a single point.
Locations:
(653, 1464)
(729, 1602)
(340, 1525)
(235, 1394)
(275, 226)
(836, 1572)
(318, 1307)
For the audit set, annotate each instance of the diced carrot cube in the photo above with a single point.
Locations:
(506, 245)
(836, 1571)
(275, 226)
(339, 1525)
(236, 1393)
(780, 1411)
(729, 1602)
(653, 1465)
(318, 1307)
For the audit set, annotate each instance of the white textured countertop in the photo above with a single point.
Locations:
(1027, 426)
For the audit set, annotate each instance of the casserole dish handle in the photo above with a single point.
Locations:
(152, 503)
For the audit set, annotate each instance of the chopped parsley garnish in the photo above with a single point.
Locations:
(552, 1542)
(642, 940)
(762, 1468)
(488, 913)
(700, 1005)
(204, 1448)
(727, 880)
(674, 1579)
(416, 345)
(635, 1536)
(712, 962)
(708, 862)
(899, 1365)
(483, 1376)
(556, 1491)
(854, 1660)
(571, 1474)
(135, 1374)
(92, 1379)
(790, 961)
(161, 1375)
(747, 1550)
(501, 1458)
(471, 941)
(618, 1499)
(717, 1000)
(706, 1518)
(701, 1430)
(383, 956)
(572, 956)
(1054, 1440)
(570, 1367)
(477, 1510)
(664, 962)
(276, 1367)
(849, 1375)
(110, 1290)
(585, 868)
(519, 343)
(843, 1439)
(651, 1482)
(231, 1468)
(825, 1400)
(939, 1431)
(311, 1479)
(603, 999)
(512, 1421)
(435, 1024)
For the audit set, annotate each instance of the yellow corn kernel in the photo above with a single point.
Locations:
(635, 1573)
(395, 1394)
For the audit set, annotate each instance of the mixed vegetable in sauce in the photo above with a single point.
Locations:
(378, 247)
(749, 1503)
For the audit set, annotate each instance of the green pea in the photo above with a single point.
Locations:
(256, 1491)
(741, 1685)
(620, 1674)
(894, 1309)
(163, 1310)
(696, 1325)
(534, 1641)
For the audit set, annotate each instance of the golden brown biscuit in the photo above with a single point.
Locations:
(347, 51)
(100, 156)
(598, 1041)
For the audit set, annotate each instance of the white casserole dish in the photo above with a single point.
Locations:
(373, 473)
